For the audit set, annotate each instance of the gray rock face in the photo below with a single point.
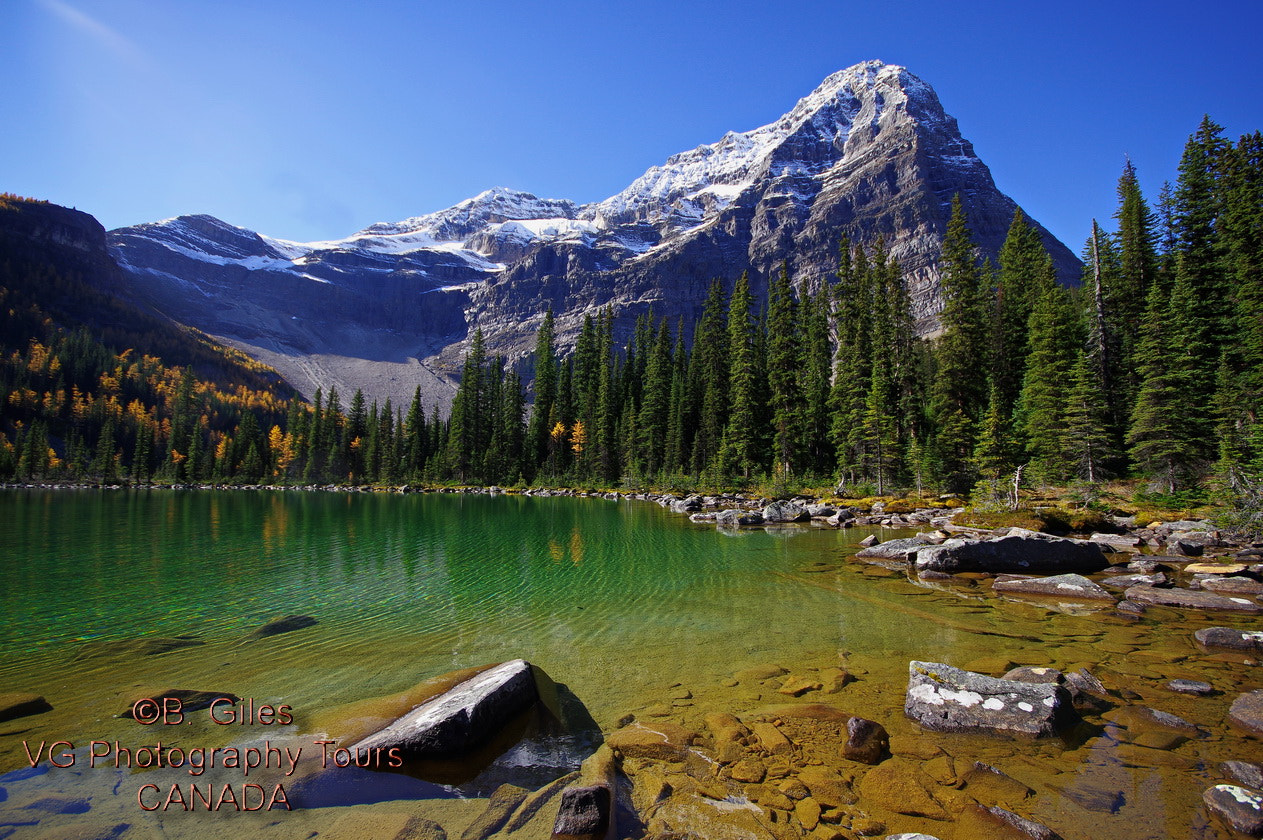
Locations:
(1020, 551)
(1070, 586)
(463, 717)
(584, 813)
(947, 699)
(900, 550)
(735, 517)
(1128, 581)
(1118, 543)
(869, 153)
(1238, 808)
(1232, 585)
(1190, 599)
(786, 512)
(1230, 639)
(1244, 772)
(1247, 711)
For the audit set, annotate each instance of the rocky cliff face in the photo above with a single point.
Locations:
(869, 153)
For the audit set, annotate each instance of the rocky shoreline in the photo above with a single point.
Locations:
(826, 752)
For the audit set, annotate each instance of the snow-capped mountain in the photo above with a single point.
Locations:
(869, 153)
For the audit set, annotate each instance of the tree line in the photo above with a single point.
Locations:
(1151, 367)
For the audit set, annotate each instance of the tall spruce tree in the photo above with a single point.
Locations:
(743, 434)
(1022, 259)
(1041, 411)
(709, 376)
(784, 358)
(958, 391)
(1156, 437)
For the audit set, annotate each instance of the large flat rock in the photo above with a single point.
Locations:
(947, 699)
(1189, 599)
(1021, 551)
(462, 717)
(1069, 586)
(1230, 638)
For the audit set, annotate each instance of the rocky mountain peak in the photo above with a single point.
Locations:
(869, 154)
(474, 215)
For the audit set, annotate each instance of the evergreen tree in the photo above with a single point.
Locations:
(1041, 412)
(466, 429)
(1124, 291)
(1087, 441)
(709, 375)
(415, 435)
(740, 455)
(1022, 266)
(656, 404)
(994, 453)
(545, 394)
(818, 454)
(784, 357)
(1155, 436)
(956, 395)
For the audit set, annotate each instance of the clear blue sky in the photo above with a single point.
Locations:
(310, 120)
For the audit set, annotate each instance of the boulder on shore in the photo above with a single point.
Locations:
(901, 550)
(947, 699)
(734, 517)
(786, 512)
(1019, 551)
(462, 717)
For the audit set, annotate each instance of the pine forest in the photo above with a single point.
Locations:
(1151, 368)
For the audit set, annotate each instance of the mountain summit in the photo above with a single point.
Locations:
(869, 153)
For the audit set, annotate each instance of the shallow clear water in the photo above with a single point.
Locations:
(622, 602)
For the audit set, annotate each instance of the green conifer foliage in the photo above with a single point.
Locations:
(784, 344)
(742, 436)
(1157, 430)
(1041, 411)
(957, 392)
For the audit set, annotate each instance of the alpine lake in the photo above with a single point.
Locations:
(107, 596)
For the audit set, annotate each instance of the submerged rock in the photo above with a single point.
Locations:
(947, 699)
(285, 624)
(867, 742)
(21, 704)
(191, 700)
(657, 742)
(1020, 551)
(151, 646)
(462, 717)
(1195, 687)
